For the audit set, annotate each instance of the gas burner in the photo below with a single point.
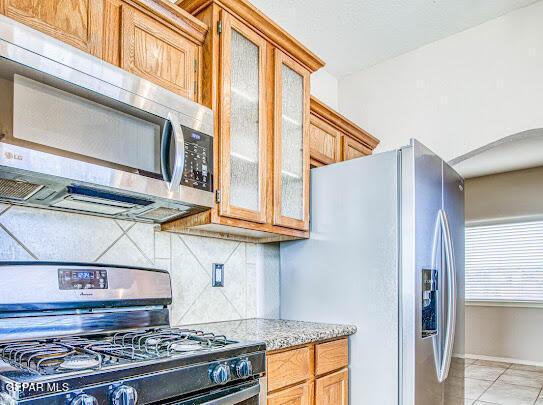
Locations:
(80, 362)
(187, 346)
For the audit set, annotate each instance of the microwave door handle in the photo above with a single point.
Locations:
(179, 162)
(165, 145)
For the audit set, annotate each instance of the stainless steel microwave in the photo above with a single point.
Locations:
(79, 134)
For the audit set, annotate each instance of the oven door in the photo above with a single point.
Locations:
(243, 394)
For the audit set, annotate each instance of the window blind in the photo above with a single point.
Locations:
(505, 262)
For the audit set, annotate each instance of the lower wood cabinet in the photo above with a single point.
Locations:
(332, 389)
(315, 374)
(298, 395)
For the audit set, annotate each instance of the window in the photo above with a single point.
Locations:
(505, 262)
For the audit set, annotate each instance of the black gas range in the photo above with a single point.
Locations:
(87, 334)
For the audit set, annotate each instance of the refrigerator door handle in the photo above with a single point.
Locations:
(443, 370)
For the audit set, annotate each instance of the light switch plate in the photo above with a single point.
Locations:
(217, 273)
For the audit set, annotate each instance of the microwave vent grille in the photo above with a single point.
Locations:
(18, 190)
(161, 213)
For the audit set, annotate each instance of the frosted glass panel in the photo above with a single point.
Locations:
(292, 168)
(244, 124)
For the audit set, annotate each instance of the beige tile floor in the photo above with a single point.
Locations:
(494, 383)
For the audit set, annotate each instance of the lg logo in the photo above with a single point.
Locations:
(12, 156)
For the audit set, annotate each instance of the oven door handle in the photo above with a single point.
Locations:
(172, 129)
(236, 397)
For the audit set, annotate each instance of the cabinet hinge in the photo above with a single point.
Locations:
(219, 26)
(218, 196)
(195, 87)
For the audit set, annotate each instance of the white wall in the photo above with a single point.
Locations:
(251, 271)
(458, 93)
(324, 86)
(506, 332)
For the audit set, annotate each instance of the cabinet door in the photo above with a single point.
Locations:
(353, 149)
(157, 53)
(332, 389)
(291, 143)
(76, 22)
(298, 395)
(324, 142)
(243, 141)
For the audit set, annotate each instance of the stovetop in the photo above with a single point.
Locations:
(191, 360)
(45, 357)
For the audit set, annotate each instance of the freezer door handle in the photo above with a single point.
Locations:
(443, 370)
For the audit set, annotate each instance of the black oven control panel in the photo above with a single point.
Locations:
(73, 279)
(198, 171)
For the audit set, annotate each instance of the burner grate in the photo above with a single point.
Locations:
(68, 354)
(41, 357)
(164, 342)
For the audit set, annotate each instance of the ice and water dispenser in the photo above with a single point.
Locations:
(429, 302)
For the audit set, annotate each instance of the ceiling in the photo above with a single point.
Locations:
(353, 34)
(515, 152)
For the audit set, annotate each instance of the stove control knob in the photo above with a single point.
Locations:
(244, 368)
(124, 395)
(220, 374)
(84, 399)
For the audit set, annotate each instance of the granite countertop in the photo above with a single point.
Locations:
(277, 333)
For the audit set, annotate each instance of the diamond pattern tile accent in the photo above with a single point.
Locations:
(189, 279)
(11, 249)
(251, 276)
(210, 307)
(209, 250)
(235, 286)
(54, 235)
(143, 235)
(124, 251)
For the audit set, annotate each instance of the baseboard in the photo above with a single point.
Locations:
(503, 360)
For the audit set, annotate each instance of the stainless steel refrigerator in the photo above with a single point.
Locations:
(386, 254)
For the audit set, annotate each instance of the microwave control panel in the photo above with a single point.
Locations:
(198, 171)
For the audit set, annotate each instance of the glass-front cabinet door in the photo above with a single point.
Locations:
(291, 143)
(243, 143)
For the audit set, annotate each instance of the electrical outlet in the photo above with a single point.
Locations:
(217, 275)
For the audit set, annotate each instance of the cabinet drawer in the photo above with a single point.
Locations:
(331, 356)
(324, 142)
(288, 368)
(298, 395)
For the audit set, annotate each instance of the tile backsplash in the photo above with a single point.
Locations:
(251, 270)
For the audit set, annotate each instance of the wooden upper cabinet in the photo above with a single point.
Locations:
(333, 389)
(353, 149)
(157, 53)
(335, 138)
(324, 141)
(243, 137)
(76, 22)
(155, 39)
(291, 143)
